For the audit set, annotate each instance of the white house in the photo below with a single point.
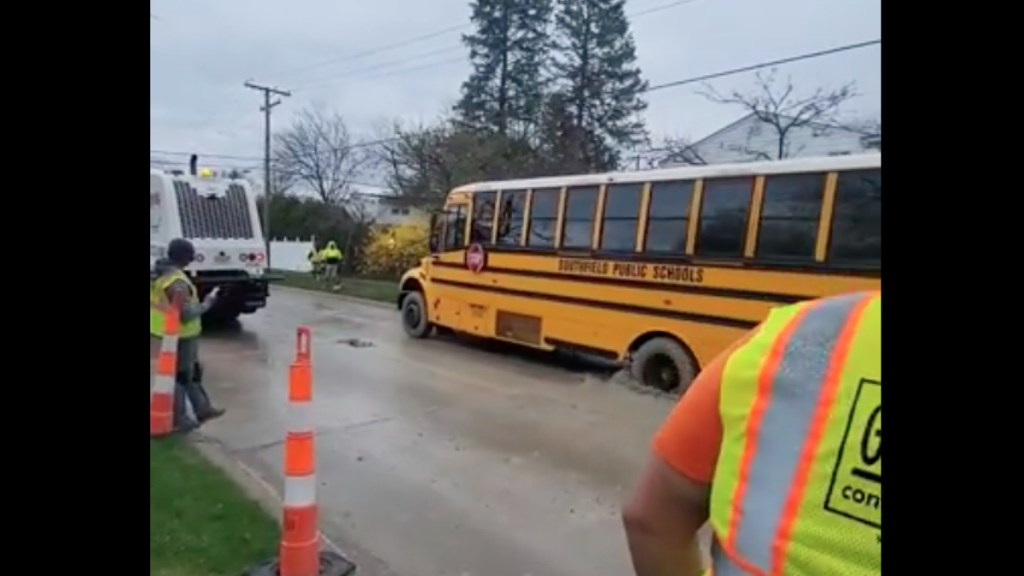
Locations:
(383, 209)
(749, 139)
(369, 204)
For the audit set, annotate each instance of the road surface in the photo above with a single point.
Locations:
(436, 457)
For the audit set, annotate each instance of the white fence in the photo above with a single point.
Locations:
(290, 254)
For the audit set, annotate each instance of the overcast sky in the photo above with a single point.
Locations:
(201, 51)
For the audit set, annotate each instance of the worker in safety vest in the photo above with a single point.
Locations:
(778, 442)
(172, 283)
(314, 261)
(331, 257)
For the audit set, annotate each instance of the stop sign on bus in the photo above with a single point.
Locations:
(476, 258)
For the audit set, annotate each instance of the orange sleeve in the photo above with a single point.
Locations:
(689, 439)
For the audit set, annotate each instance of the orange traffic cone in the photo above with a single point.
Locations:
(161, 395)
(300, 553)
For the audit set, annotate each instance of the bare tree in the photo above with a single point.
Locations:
(423, 163)
(673, 151)
(777, 105)
(873, 126)
(415, 161)
(317, 152)
(280, 182)
(361, 218)
(866, 126)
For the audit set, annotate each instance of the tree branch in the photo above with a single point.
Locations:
(316, 152)
(774, 103)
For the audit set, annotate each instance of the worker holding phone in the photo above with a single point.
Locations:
(174, 285)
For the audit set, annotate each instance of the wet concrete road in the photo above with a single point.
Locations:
(435, 457)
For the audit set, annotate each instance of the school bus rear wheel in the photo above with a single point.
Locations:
(414, 315)
(662, 363)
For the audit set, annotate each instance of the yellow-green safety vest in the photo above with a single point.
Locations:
(797, 489)
(159, 304)
(331, 251)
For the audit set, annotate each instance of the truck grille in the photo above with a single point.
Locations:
(201, 217)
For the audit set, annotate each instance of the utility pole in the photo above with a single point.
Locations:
(267, 106)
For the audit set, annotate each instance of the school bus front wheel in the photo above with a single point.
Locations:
(415, 321)
(664, 364)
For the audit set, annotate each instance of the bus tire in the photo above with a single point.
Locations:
(663, 364)
(414, 316)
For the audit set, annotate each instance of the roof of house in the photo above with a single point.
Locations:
(747, 117)
(388, 199)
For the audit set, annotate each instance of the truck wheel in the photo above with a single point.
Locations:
(663, 364)
(414, 315)
(221, 316)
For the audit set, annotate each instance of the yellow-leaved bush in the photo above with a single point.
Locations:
(391, 250)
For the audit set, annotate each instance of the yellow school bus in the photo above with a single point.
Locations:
(659, 269)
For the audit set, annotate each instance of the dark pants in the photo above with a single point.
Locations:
(189, 387)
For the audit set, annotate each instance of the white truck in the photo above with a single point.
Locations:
(220, 218)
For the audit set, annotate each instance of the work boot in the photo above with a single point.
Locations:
(185, 427)
(210, 413)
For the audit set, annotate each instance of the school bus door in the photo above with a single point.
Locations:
(447, 242)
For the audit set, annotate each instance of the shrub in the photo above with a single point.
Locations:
(391, 250)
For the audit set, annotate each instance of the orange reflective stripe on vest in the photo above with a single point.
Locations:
(786, 401)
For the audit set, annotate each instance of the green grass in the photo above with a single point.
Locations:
(380, 290)
(200, 522)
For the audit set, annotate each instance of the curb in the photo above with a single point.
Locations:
(250, 481)
(354, 299)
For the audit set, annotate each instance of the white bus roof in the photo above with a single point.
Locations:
(790, 166)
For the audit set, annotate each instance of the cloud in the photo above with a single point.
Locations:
(201, 52)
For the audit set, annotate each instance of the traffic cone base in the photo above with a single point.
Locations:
(331, 564)
(161, 414)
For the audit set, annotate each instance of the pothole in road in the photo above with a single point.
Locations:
(355, 342)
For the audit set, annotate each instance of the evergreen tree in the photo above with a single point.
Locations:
(595, 62)
(504, 92)
(559, 139)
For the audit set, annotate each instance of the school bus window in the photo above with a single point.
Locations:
(723, 218)
(668, 216)
(789, 216)
(455, 231)
(856, 236)
(437, 233)
(510, 221)
(543, 218)
(621, 215)
(578, 229)
(483, 217)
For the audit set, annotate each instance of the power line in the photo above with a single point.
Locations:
(221, 165)
(405, 71)
(376, 67)
(654, 9)
(656, 87)
(217, 156)
(773, 63)
(436, 34)
(252, 167)
(374, 51)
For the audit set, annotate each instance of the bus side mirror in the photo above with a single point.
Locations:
(435, 233)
